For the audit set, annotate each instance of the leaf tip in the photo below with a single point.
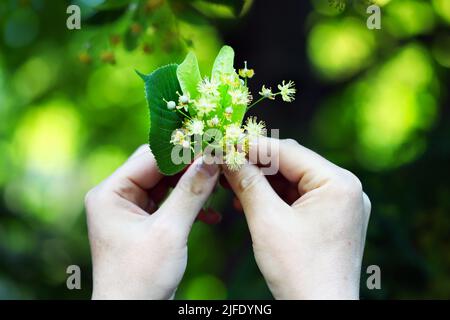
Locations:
(141, 75)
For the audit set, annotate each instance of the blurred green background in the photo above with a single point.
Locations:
(373, 101)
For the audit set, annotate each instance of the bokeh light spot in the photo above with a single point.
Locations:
(102, 162)
(109, 86)
(442, 7)
(409, 18)
(34, 77)
(385, 113)
(47, 137)
(395, 106)
(340, 48)
(206, 287)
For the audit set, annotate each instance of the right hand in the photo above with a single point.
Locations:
(313, 248)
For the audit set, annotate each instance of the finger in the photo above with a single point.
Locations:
(253, 191)
(298, 164)
(132, 180)
(190, 193)
(142, 149)
(367, 205)
(141, 169)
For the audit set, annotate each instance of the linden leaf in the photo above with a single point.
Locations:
(223, 63)
(188, 74)
(162, 84)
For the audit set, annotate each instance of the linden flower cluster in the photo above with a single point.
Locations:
(216, 114)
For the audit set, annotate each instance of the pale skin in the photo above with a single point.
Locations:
(311, 249)
(136, 255)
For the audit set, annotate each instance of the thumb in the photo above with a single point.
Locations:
(190, 193)
(254, 191)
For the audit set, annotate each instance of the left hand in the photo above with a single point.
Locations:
(139, 251)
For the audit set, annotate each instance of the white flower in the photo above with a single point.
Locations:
(184, 99)
(267, 93)
(179, 137)
(208, 87)
(204, 106)
(213, 122)
(287, 91)
(186, 144)
(228, 113)
(195, 126)
(246, 73)
(230, 79)
(233, 132)
(171, 105)
(234, 159)
(254, 128)
(240, 96)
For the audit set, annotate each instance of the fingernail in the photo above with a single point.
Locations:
(210, 169)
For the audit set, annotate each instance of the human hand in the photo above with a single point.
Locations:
(139, 250)
(313, 248)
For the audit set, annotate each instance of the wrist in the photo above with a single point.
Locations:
(119, 289)
(318, 286)
(318, 293)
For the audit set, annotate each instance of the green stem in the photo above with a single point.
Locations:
(261, 99)
(184, 114)
(256, 102)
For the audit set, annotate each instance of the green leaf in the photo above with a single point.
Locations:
(162, 84)
(223, 63)
(188, 74)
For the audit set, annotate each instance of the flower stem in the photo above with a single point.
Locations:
(184, 114)
(256, 102)
(261, 99)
